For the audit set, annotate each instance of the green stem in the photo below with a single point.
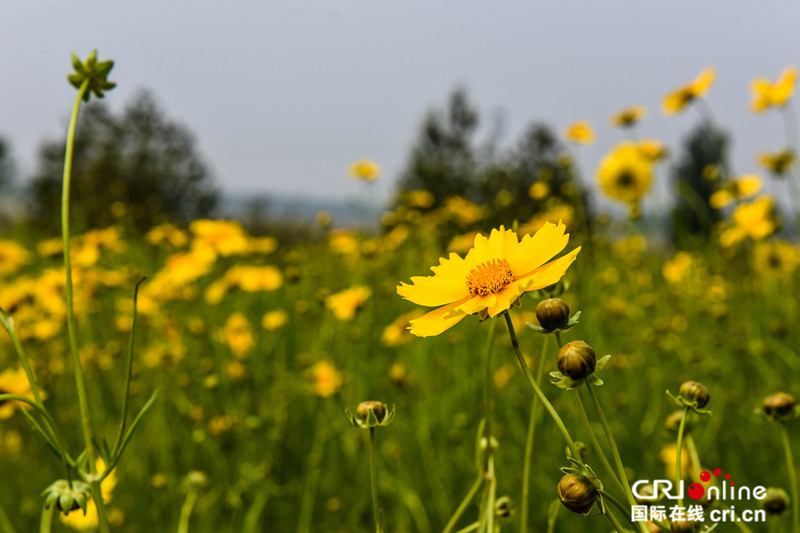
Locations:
(47, 519)
(618, 505)
(694, 458)
(526, 469)
(472, 527)
(678, 469)
(186, 511)
(595, 444)
(312, 477)
(373, 478)
(72, 329)
(550, 409)
(487, 395)
(792, 480)
(463, 505)
(5, 524)
(613, 519)
(487, 519)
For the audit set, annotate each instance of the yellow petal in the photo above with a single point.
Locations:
(432, 291)
(552, 271)
(434, 323)
(533, 252)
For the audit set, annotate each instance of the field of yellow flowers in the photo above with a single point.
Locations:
(436, 375)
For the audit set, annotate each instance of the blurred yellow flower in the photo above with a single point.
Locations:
(652, 150)
(12, 257)
(274, 320)
(396, 333)
(778, 162)
(629, 116)
(344, 304)
(167, 235)
(13, 382)
(326, 379)
(461, 210)
(766, 94)
(579, 132)
(753, 220)
(77, 519)
(224, 237)
(625, 174)
(364, 170)
(775, 258)
(238, 335)
(420, 199)
(744, 187)
(492, 277)
(559, 212)
(677, 269)
(678, 99)
(254, 278)
(261, 245)
(539, 190)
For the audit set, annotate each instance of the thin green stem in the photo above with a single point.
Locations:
(595, 444)
(5, 524)
(47, 519)
(472, 527)
(487, 518)
(792, 479)
(312, 476)
(694, 457)
(678, 469)
(373, 478)
(613, 520)
(623, 477)
(487, 395)
(550, 409)
(463, 505)
(618, 505)
(186, 511)
(526, 469)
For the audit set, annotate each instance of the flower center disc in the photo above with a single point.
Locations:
(489, 277)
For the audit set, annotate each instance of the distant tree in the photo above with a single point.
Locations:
(7, 167)
(138, 164)
(702, 158)
(443, 159)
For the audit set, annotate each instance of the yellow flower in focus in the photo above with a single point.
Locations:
(775, 258)
(753, 220)
(238, 335)
(539, 190)
(777, 163)
(490, 279)
(364, 170)
(274, 320)
(625, 174)
(396, 333)
(766, 94)
(344, 304)
(326, 380)
(13, 382)
(77, 519)
(744, 187)
(678, 99)
(579, 132)
(12, 257)
(629, 116)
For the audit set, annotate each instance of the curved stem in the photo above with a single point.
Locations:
(373, 479)
(550, 409)
(595, 444)
(678, 469)
(186, 511)
(47, 519)
(792, 479)
(463, 505)
(613, 519)
(526, 469)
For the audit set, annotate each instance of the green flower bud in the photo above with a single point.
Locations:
(695, 392)
(576, 360)
(582, 449)
(577, 493)
(776, 501)
(504, 508)
(67, 497)
(647, 492)
(552, 314)
(779, 405)
(376, 408)
(682, 526)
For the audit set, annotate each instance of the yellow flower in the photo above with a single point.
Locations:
(766, 94)
(224, 237)
(12, 257)
(167, 235)
(558, 212)
(539, 190)
(274, 320)
(652, 150)
(753, 220)
(677, 269)
(580, 132)
(682, 96)
(420, 198)
(13, 382)
(775, 258)
(396, 333)
(238, 335)
(345, 304)
(77, 519)
(491, 278)
(777, 163)
(744, 187)
(364, 170)
(255, 279)
(628, 116)
(625, 173)
(326, 379)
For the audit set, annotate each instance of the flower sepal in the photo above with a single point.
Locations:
(693, 405)
(567, 383)
(573, 320)
(370, 414)
(67, 497)
(94, 71)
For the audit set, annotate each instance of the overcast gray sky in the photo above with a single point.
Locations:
(283, 95)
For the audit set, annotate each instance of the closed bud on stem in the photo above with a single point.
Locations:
(583, 450)
(552, 314)
(376, 408)
(695, 392)
(577, 493)
(576, 360)
(776, 501)
(504, 508)
(682, 526)
(779, 405)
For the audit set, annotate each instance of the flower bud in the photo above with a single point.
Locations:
(577, 493)
(776, 501)
(576, 360)
(682, 526)
(504, 508)
(582, 449)
(696, 392)
(377, 408)
(779, 404)
(673, 422)
(552, 314)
